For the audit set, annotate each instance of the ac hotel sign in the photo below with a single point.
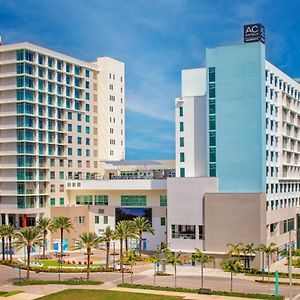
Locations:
(254, 33)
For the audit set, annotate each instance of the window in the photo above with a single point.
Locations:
(183, 232)
(96, 219)
(87, 152)
(163, 221)
(212, 122)
(69, 139)
(133, 200)
(87, 107)
(70, 151)
(101, 200)
(181, 111)
(212, 90)
(211, 74)
(105, 219)
(84, 200)
(87, 119)
(79, 152)
(52, 175)
(78, 128)
(61, 175)
(181, 141)
(212, 138)
(87, 73)
(69, 127)
(181, 156)
(52, 201)
(212, 170)
(201, 232)
(182, 172)
(69, 115)
(163, 200)
(212, 154)
(181, 126)
(52, 188)
(87, 130)
(79, 140)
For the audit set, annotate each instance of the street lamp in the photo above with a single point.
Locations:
(290, 263)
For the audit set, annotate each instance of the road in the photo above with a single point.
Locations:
(221, 283)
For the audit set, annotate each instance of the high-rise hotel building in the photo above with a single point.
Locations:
(60, 117)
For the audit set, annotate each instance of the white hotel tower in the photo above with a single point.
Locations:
(59, 118)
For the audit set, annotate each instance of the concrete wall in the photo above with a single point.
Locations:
(185, 207)
(234, 218)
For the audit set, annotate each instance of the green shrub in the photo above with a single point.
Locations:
(206, 292)
(67, 282)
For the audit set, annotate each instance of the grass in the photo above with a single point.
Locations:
(67, 282)
(54, 263)
(197, 291)
(273, 282)
(103, 295)
(11, 293)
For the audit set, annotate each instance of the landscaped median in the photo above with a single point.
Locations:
(11, 293)
(204, 292)
(66, 282)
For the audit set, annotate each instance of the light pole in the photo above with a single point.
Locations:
(290, 263)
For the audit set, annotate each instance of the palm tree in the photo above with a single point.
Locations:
(250, 250)
(129, 229)
(130, 258)
(62, 223)
(202, 258)
(141, 225)
(120, 233)
(107, 237)
(174, 259)
(45, 224)
(268, 250)
(233, 266)
(2, 236)
(9, 231)
(29, 238)
(88, 240)
(155, 260)
(235, 250)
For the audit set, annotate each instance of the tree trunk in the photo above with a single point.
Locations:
(126, 244)
(10, 248)
(154, 276)
(107, 254)
(61, 252)
(175, 277)
(201, 275)
(28, 261)
(121, 259)
(263, 265)
(131, 274)
(230, 281)
(3, 248)
(140, 246)
(88, 264)
(44, 243)
(268, 258)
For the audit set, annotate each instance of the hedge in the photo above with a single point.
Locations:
(8, 294)
(67, 282)
(55, 269)
(273, 282)
(206, 292)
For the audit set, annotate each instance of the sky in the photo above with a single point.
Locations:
(155, 39)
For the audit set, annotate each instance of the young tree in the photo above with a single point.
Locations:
(29, 238)
(45, 224)
(203, 259)
(174, 259)
(2, 236)
(107, 236)
(120, 234)
(233, 266)
(235, 249)
(9, 232)
(129, 232)
(250, 250)
(62, 223)
(130, 258)
(155, 260)
(89, 241)
(141, 225)
(268, 251)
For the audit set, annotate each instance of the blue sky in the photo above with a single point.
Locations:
(155, 39)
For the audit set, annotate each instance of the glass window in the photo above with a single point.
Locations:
(69, 115)
(133, 200)
(212, 138)
(78, 128)
(212, 122)
(181, 141)
(87, 73)
(105, 219)
(163, 221)
(79, 117)
(61, 201)
(212, 90)
(101, 200)
(211, 74)
(163, 200)
(212, 154)
(79, 140)
(181, 156)
(181, 111)
(96, 219)
(182, 172)
(87, 107)
(87, 130)
(79, 152)
(52, 201)
(212, 170)
(181, 126)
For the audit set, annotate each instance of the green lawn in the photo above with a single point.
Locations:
(8, 294)
(103, 295)
(54, 263)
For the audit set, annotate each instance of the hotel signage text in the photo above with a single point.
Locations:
(254, 33)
